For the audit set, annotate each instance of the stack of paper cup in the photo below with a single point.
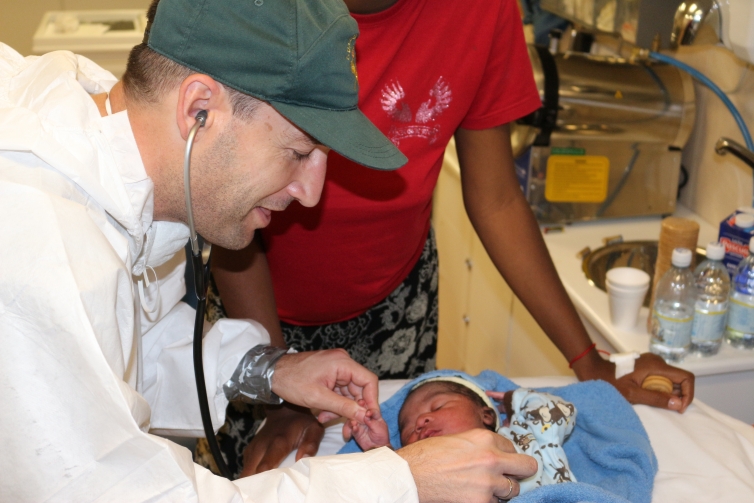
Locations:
(626, 289)
(675, 233)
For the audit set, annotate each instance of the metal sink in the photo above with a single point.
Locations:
(639, 254)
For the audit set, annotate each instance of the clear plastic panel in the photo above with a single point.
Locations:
(612, 16)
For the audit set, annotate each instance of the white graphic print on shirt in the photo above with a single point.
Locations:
(393, 102)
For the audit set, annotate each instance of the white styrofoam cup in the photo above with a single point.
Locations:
(627, 277)
(626, 289)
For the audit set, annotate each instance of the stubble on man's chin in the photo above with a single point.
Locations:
(237, 238)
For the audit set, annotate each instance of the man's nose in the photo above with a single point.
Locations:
(310, 178)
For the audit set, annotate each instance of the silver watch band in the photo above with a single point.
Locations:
(252, 379)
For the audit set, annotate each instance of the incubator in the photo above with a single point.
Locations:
(617, 112)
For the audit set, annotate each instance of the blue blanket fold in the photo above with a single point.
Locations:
(608, 451)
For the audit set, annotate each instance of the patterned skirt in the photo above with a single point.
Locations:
(395, 339)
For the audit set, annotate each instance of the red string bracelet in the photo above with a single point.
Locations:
(582, 355)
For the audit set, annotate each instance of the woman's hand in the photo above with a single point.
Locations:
(287, 428)
(594, 367)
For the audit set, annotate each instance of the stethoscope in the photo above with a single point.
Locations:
(200, 262)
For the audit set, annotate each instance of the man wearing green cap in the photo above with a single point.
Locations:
(96, 343)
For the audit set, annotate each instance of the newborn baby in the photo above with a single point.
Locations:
(536, 422)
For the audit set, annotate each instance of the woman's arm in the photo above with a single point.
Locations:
(509, 232)
(245, 287)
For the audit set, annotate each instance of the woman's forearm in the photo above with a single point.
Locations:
(245, 286)
(511, 236)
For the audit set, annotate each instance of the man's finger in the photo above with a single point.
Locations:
(344, 407)
(503, 444)
(326, 416)
(519, 466)
(506, 488)
(370, 395)
(344, 391)
(361, 383)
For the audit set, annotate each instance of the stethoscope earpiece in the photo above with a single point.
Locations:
(201, 117)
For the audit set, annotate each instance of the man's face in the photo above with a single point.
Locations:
(251, 169)
(433, 410)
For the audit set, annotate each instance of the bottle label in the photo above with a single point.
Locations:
(709, 324)
(740, 316)
(673, 332)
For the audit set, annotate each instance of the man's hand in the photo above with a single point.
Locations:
(288, 427)
(370, 434)
(473, 467)
(327, 380)
(629, 385)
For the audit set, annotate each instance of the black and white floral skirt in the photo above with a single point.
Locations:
(395, 339)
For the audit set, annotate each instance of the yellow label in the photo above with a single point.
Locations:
(577, 178)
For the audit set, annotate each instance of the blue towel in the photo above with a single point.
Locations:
(609, 450)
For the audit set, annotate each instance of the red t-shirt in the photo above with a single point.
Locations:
(426, 67)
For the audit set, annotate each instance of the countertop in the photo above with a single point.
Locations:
(592, 302)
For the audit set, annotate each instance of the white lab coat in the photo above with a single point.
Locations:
(76, 238)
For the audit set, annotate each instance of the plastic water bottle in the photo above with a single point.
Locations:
(740, 329)
(673, 309)
(712, 291)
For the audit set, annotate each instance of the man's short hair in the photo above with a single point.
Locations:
(150, 75)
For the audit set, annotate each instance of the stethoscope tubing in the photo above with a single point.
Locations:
(201, 282)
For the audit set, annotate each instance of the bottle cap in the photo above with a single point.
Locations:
(681, 257)
(716, 251)
(744, 220)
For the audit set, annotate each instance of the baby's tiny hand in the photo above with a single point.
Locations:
(372, 433)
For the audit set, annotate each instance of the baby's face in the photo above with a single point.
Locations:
(433, 410)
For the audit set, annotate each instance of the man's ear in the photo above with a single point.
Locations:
(489, 418)
(201, 92)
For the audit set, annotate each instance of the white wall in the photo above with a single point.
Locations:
(717, 184)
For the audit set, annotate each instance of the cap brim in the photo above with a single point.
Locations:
(348, 132)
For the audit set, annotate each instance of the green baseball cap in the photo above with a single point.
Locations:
(297, 55)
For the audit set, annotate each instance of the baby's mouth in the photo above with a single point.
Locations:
(429, 433)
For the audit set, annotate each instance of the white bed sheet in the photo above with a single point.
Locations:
(703, 454)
